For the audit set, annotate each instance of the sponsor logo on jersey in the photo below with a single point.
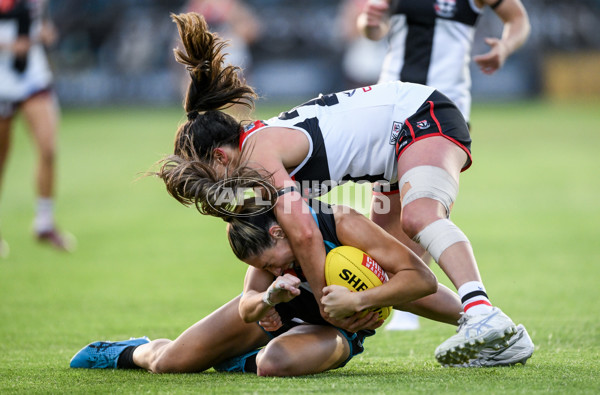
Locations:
(248, 129)
(424, 124)
(445, 8)
(396, 129)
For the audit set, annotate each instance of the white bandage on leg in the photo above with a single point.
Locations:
(438, 236)
(429, 182)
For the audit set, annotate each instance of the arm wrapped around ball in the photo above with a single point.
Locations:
(380, 270)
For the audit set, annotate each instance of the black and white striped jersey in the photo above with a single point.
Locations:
(430, 43)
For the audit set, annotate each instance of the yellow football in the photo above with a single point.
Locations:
(351, 268)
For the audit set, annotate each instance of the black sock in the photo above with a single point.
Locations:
(250, 365)
(125, 360)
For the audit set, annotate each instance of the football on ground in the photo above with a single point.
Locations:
(353, 269)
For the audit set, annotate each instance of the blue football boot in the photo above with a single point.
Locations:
(235, 364)
(103, 355)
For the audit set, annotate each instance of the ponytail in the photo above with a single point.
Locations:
(213, 86)
(188, 174)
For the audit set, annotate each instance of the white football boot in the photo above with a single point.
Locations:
(474, 333)
(519, 350)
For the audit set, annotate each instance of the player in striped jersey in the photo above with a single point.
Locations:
(26, 86)
(430, 42)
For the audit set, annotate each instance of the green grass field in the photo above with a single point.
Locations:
(147, 266)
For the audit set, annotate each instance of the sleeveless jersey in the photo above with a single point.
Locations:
(304, 308)
(352, 134)
(430, 42)
(23, 77)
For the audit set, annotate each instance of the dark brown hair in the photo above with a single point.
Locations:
(187, 174)
(249, 234)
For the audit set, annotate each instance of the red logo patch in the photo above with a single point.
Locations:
(374, 267)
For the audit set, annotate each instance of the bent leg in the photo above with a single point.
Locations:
(457, 261)
(429, 172)
(5, 124)
(215, 338)
(41, 113)
(305, 349)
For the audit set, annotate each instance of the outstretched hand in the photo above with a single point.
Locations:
(375, 10)
(490, 62)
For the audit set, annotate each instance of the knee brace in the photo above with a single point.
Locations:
(438, 236)
(430, 182)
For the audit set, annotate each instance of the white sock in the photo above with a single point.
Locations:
(44, 219)
(474, 299)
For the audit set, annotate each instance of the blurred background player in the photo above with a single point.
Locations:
(362, 57)
(26, 82)
(430, 42)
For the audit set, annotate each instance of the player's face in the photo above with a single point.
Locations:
(276, 259)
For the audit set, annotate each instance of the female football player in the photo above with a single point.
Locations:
(401, 134)
(26, 86)
(295, 340)
(431, 42)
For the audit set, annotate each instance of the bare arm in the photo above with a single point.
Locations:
(274, 153)
(244, 22)
(514, 34)
(410, 278)
(374, 22)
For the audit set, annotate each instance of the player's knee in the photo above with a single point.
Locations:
(438, 236)
(47, 155)
(428, 193)
(274, 360)
(412, 222)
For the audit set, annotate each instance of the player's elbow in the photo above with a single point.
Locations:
(429, 283)
(246, 315)
(305, 236)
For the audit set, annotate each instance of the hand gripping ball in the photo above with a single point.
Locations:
(351, 268)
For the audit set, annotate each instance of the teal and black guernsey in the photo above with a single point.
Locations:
(304, 307)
